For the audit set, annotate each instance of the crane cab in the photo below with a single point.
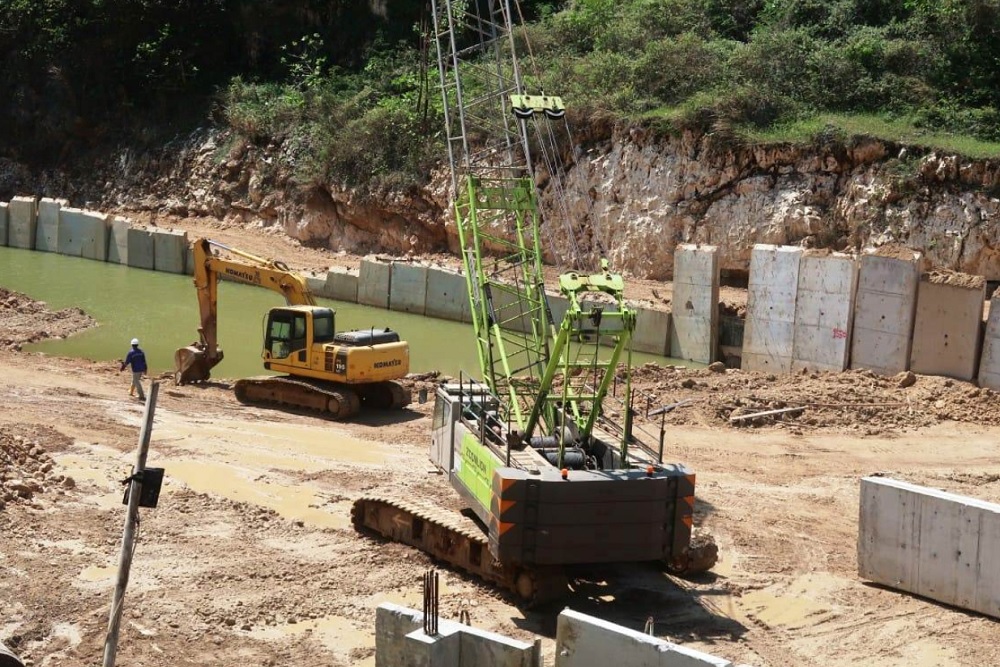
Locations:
(303, 341)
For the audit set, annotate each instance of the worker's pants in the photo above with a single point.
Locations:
(137, 385)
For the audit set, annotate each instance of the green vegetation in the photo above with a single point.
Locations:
(353, 95)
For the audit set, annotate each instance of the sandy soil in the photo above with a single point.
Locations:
(249, 559)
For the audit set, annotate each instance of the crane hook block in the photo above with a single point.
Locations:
(525, 106)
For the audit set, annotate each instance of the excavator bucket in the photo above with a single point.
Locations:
(193, 364)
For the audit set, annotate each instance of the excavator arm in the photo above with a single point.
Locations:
(194, 362)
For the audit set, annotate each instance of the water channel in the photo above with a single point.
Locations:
(160, 310)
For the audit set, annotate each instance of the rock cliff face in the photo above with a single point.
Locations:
(630, 193)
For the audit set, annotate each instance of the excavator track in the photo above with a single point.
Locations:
(335, 401)
(456, 540)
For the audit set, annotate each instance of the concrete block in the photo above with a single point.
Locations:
(585, 641)
(652, 331)
(169, 250)
(22, 222)
(884, 307)
(47, 230)
(408, 288)
(373, 283)
(189, 260)
(824, 312)
(401, 642)
(769, 334)
(342, 285)
(931, 543)
(4, 223)
(695, 314)
(118, 240)
(947, 324)
(141, 251)
(989, 360)
(447, 296)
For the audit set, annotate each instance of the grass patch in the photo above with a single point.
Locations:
(899, 130)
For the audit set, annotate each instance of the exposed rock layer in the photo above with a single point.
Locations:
(630, 193)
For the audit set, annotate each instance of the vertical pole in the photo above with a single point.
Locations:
(128, 536)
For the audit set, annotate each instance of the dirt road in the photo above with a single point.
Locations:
(250, 557)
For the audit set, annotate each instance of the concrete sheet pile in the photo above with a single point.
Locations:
(169, 250)
(47, 229)
(341, 285)
(695, 315)
(118, 241)
(447, 296)
(884, 309)
(770, 324)
(83, 234)
(3, 223)
(824, 311)
(141, 249)
(931, 543)
(989, 360)
(374, 283)
(408, 288)
(586, 641)
(22, 222)
(947, 324)
(652, 331)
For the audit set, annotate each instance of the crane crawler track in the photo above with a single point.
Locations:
(450, 537)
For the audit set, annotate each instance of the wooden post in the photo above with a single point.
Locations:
(128, 536)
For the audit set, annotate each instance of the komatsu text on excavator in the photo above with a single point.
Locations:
(334, 373)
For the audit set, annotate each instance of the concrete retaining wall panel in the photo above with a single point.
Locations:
(22, 222)
(883, 313)
(342, 286)
(189, 260)
(95, 244)
(585, 641)
(118, 240)
(141, 251)
(373, 283)
(447, 296)
(169, 250)
(4, 223)
(72, 232)
(47, 229)
(824, 312)
(652, 332)
(931, 543)
(989, 360)
(316, 285)
(408, 288)
(770, 323)
(946, 329)
(695, 316)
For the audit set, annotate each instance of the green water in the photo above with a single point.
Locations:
(160, 309)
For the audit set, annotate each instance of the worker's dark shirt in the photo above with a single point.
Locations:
(137, 359)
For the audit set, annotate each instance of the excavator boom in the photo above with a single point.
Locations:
(194, 363)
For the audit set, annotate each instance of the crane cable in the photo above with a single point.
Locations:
(549, 148)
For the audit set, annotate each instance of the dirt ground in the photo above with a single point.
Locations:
(250, 559)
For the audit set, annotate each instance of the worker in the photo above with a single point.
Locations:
(136, 358)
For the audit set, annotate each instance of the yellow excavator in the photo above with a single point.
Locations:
(334, 373)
